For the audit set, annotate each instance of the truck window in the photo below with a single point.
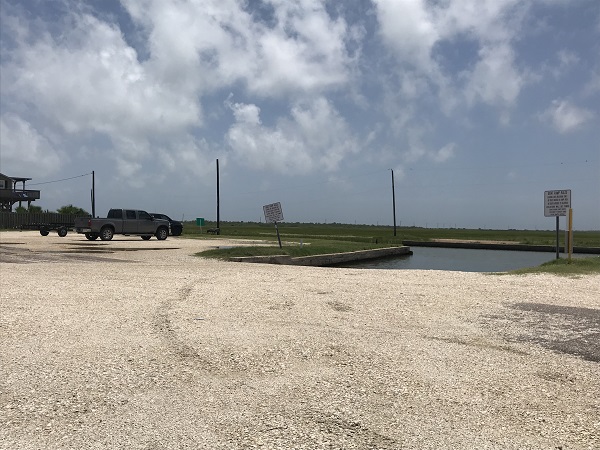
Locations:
(145, 215)
(130, 213)
(115, 214)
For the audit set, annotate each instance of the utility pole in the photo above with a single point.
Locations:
(394, 201)
(218, 205)
(93, 194)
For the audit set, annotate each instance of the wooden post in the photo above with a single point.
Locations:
(557, 239)
(570, 234)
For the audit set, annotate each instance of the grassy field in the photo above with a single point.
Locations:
(577, 266)
(294, 249)
(312, 239)
(372, 234)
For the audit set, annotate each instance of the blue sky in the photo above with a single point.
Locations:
(478, 107)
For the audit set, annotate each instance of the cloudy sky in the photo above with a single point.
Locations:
(476, 107)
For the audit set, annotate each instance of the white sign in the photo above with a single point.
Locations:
(273, 212)
(557, 203)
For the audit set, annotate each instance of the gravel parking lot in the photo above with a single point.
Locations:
(133, 344)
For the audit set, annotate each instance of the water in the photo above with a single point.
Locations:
(460, 259)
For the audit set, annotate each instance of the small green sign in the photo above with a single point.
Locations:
(200, 221)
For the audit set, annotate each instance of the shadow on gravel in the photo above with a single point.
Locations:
(564, 329)
(94, 249)
(75, 251)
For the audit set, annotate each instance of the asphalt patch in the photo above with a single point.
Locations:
(564, 329)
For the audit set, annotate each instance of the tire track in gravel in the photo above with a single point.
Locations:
(187, 357)
(311, 429)
(328, 425)
(166, 330)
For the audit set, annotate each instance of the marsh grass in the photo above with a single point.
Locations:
(301, 239)
(564, 267)
(314, 247)
(373, 234)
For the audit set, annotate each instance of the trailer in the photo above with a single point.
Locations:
(60, 228)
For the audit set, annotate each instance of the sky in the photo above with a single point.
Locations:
(473, 108)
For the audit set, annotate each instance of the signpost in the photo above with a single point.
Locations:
(200, 223)
(557, 203)
(274, 214)
(570, 235)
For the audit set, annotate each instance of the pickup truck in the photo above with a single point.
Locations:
(122, 221)
(176, 226)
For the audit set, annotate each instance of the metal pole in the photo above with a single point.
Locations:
(278, 237)
(218, 202)
(557, 239)
(394, 201)
(93, 194)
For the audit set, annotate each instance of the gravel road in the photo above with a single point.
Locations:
(134, 344)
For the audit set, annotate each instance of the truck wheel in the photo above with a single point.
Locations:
(106, 233)
(162, 233)
(91, 236)
(146, 238)
(62, 231)
(44, 232)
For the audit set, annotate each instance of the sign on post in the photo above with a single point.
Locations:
(273, 213)
(557, 203)
(200, 223)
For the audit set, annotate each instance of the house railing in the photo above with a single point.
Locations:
(17, 195)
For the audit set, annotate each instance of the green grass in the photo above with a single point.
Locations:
(373, 234)
(577, 266)
(335, 238)
(315, 247)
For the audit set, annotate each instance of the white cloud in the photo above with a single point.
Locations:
(485, 21)
(313, 137)
(566, 117)
(414, 30)
(248, 114)
(25, 152)
(494, 79)
(91, 80)
(408, 28)
(211, 44)
(443, 154)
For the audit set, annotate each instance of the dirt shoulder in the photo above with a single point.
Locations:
(133, 344)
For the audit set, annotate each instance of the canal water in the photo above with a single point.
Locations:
(460, 259)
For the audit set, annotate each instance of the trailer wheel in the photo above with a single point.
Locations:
(62, 231)
(162, 233)
(91, 236)
(44, 232)
(106, 233)
(146, 238)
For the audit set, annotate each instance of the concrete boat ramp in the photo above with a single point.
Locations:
(330, 259)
